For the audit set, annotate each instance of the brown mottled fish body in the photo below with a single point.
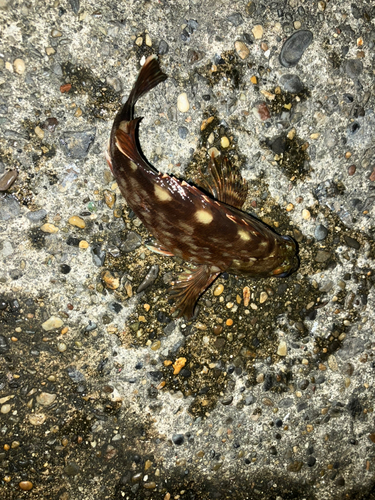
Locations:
(205, 228)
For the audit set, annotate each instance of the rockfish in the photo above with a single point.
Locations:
(202, 225)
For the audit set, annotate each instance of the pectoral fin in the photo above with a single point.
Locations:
(224, 182)
(155, 247)
(189, 285)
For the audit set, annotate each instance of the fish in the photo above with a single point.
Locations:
(201, 222)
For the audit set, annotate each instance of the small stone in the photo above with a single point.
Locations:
(351, 170)
(332, 363)
(306, 214)
(257, 31)
(9, 208)
(37, 418)
(5, 408)
(178, 365)
(315, 135)
(224, 142)
(19, 66)
(218, 290)
(56, 33)
(263, 297)
(351, 242)
(254, 80)
(178, 439)
(77, 222)
(353, 68)
(291, 83)
(52, 323)
(263, 111)
(148, 41)
(163, 47)
(242, 50)
(139, 41)
(76, 145)
(25, 485)
(45, 398)
(183, 103)
(83, 244)
(149, 278)
(49, 228)
(294, 48)
(236, 19)
(39, 132)
(183, 132)
(8, 179)
(72, 469)
(112, 282)
(322, 256)
(321, 232)
(50, 51)
(282, 348)
(132, 241)
(289, 207)
(109, 198)
(61, 347)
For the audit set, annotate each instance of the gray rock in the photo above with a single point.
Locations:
(149, 278)
(4, 346)
(291, 83)
(322, 256)
(294, 48)
(36, 216)
(250, 399)
(76, 145)
(9, 208)
(132, 241)
(236, 19)
(74, 5)
(71, 469)
(321, 232)
(353, 68)
(163, 47)
(183, 132)
(98, 255)
(6, 249)
(75, 375)
(351, 242)
(178, 439)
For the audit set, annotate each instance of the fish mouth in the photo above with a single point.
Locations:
(287, 268)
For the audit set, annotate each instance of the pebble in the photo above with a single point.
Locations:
(353, 68)
(77, 222)
(242, 50)
(83, 244)
(263, 111)
(76, 145)
(351, 170)
(61, 347)
(112, 282)
(291, 83)
(306, 214)
(7, 179)
(163, 47)
(132, 241)
(236, 19)
(178, 365)
(282, 348)
(178, 439)
(332, 363)
(37, 418)
(19, 66)
(36, 216)
(5, 408)
(218, 290)
(183, 132)
(224, 142)
(294, 48)
(322, 256)
(25, 485)
(183, 103)
(45, 398)
(351, 242)
(52, 323)
(9, 208)
(263, 297)
(49, 228)
(321, 232)
(257, 31)
(149, 278)
(289, 207)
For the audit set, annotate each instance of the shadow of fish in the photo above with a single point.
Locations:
(202, 225)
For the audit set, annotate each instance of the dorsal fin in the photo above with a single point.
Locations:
(224, 182)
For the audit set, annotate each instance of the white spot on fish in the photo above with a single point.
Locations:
(244, 235)
(204, 216)
(124, 126)
(133, 166)
(161, 193)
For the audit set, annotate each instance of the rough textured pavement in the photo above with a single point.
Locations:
(268, 393)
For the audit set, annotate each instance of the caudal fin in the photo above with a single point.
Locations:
(149, 77)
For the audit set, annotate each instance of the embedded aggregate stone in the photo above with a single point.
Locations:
(76, 145)
(294, 48)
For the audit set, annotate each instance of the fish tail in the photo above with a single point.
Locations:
(149, 77)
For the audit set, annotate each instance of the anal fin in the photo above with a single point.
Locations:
(190, 284)
(224, 182)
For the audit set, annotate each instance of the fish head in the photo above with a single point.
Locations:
(290, 263)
